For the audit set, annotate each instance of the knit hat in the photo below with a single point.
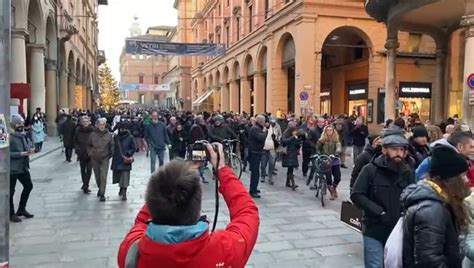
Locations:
(16, 120)
(447, 163)
(419, 131)
(218, 118)
(394, 137)
(372, 138)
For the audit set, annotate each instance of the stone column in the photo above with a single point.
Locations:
(244, 95)
(51, 97)
(468, 111)
(390, 78)
(63, 90)
(18, 52)
(225, 97)
(259, 91)
(71, 91)
(439, 96)
(37, 78)
(234, 97)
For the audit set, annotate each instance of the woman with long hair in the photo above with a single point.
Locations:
(329, 145)
(292, 140)
(435, 213)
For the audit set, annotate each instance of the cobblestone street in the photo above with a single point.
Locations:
(71, 229)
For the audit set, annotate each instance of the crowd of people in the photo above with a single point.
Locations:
(418, 171)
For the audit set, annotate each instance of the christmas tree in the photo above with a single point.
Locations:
(109, 92)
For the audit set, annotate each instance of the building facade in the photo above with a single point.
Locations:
(141, 75)
(54, 55)
(300, 56)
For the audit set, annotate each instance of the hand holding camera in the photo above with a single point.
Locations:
(216, 155)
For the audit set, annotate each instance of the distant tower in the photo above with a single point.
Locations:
(135, 29)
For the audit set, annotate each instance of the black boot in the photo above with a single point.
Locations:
(86, 190)
(102, 198)
(24, 213)
(124, 194)
(121, 191)
(15, 218)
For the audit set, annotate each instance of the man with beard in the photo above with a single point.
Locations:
(81, 140)
(419, 148)
(221, 131)
(377, 192)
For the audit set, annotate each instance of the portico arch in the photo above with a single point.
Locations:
(261, 81)
(283, 97)
(235, 88)
(225, 92)
(71, 79)
(247, 93)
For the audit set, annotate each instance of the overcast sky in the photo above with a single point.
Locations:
(116, 18)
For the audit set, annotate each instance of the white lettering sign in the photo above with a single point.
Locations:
(357, 91)
(325, 94)
(415, 89)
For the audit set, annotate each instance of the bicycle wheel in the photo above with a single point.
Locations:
(236, 164)
(316, 184)
(323, 190)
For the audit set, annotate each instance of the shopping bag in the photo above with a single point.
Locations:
(351, 215)
(393, 251)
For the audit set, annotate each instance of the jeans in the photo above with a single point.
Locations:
(161, 158)
(268, 164)
(373, 253)
(333, 177)
(356, 151)
(254, 160)
(101, 169)
(306, 156)
(25, 180)
(86, 172)
(68, 154)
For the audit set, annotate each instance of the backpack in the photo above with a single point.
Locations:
(393, 251)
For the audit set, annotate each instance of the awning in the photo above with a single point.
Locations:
(202, 98)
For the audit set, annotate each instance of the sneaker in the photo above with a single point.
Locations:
(15, 218)
(254, 195)
(25, 214)
(102, 198)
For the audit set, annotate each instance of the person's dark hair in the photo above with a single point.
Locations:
(174, 194)
(457, 190)
(388, 122)
(459, 137)
(399, 122)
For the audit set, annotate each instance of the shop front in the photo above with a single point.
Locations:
(325, 102)
(358, 99)
(415, 98)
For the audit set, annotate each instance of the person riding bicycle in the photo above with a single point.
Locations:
(221, 131)
(329, 145)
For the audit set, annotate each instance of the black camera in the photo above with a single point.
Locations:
(199, 152)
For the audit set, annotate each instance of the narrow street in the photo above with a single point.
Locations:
(71, 229)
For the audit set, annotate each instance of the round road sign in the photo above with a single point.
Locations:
(470, 81)
(304, 96)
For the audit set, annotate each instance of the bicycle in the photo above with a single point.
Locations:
(231, 159)
(320, 165)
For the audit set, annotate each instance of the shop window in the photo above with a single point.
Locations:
(250, 19)
(267, 8)
(156, 80)
(238, 28)
(325, 61)
(227, 30)
(414, 41)
(359, 51)
(140, 79)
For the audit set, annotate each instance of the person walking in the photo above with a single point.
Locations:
(19, 169)
(37, 134)
(256, 142)
(377, 192)
(179, 141)
(157, 138)
(309, 144)
(122, 160)
(269, 153)
(292, 140)
(100, 149)
(436, 213)
(419, 148)
(81, 141)
(342, 129)
(329, 145)
(170, 129)
(371, 151)
(69, 130)
(359, 133)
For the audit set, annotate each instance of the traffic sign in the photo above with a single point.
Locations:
(470, 81)
(304, 96)
(303, 103)
(471, 97)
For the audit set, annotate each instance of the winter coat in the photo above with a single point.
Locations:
(101, 145)
(198, 133)
(359, 135)
(222, 132)
(37, 132)
(136, 129)
(363, 159)
(256, 139)
(343, 131)
(157, 136)
(81, 141)
(329, 147)
(467, 241)
(19, 164)
(293, 145)
(312, 138)
(419, 153)
(224, 248)
(69, 129)
(127, 146)
(430, 238)
(179, 141)
(377, 189)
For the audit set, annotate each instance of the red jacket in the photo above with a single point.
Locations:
(470, 173)
(224, 248)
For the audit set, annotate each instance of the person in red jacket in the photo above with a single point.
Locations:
(169, 232)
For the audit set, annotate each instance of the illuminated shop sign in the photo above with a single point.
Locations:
(358, 92)
(415, 90)
(325, 94)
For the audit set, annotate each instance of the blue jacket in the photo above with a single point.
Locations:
(424, 167)
(156, 135)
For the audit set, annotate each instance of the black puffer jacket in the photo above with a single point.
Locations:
(363, 159)
(418, 152)
(293, 145)
(376, 190)
(430, 238)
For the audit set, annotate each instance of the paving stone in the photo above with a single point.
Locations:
(354, 248)
(321, 241)
(273, 246)
(295, 254)
(286, 236)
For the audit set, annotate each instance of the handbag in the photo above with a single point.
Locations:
(393, 251)
(351, 215)
(126, 159)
